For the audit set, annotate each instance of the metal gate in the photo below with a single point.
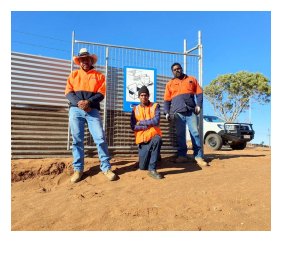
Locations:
(111, 61)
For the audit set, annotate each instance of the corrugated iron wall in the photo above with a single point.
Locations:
(39, 112)
(39, 119)
(38, 80)
(39, 132)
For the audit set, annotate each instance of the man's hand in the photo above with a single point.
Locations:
(84, 105)
(197, 110)
(167, 116)
(88, 109)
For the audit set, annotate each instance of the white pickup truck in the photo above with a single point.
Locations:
(217, 133)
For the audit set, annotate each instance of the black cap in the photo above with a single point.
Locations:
(143, 89)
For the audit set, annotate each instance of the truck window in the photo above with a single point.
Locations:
(212, 119)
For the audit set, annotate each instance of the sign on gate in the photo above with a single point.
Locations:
(134, 79)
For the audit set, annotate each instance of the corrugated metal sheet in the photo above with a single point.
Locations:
(38, 80)
(39, 132)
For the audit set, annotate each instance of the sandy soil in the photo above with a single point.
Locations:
(233, 193)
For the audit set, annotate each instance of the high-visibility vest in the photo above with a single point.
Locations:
(146, 113)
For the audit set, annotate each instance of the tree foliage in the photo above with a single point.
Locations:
(230, 94)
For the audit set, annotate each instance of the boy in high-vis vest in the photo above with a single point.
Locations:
(145, 119)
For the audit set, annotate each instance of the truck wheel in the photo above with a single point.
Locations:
(238, 146)
(214, 141)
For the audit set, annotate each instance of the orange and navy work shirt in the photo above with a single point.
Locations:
(82, 85)
(180, 95)
(148, 119)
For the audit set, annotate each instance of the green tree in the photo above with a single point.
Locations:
(230, 94)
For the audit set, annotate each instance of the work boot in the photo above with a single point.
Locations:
(154, 174)
(76, 176)
(110, 175)
(190, 157)
(181, 159)
(201, 162)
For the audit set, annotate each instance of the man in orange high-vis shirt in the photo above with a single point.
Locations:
(145, 119)
(85, 89)
(180, 103)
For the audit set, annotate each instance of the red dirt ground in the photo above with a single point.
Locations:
(232, 194)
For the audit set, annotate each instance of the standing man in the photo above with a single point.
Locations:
(145, 120)
(85, 89)
(179, 102)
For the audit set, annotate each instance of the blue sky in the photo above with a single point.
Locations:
(232, 40)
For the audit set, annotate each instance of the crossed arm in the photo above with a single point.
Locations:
(145, 124)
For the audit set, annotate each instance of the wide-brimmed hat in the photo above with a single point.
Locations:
(84, 53)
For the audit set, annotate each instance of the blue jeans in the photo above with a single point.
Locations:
(77, 120)
(149, 153)
(189, 119)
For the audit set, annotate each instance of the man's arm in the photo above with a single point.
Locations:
(166, 107)
(134, 123)
(72, 97)
(167, 99)
(198, 94)
(69, 91)
(98, 97)
(199, 100)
